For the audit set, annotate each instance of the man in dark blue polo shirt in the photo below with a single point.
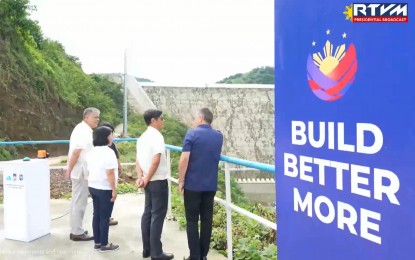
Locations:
(198, 181)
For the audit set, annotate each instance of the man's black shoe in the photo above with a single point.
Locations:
(83, 237)
(164, 256)
(146, 253)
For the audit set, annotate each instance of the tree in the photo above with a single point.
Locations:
(14, 21)
(262, 75)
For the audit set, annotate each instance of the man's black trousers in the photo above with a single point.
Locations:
(155, 210)
(199, 204)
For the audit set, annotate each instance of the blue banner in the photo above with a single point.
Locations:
(345, 130)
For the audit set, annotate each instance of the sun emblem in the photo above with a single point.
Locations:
(329, 61)
(349, 12)
(331, 72)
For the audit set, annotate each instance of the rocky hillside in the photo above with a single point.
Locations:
(26, 111)
(43, 90)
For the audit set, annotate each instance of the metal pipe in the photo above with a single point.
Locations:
(169, 207)
(228, 210)
(263, 221)
(237, 161)
(248, 214)
(124, 128)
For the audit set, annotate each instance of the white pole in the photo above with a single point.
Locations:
(228, 210)
(124, 130)
(169, 209)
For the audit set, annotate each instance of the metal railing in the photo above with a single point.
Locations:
(227, 203)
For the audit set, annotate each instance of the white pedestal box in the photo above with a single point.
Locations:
(26, 199)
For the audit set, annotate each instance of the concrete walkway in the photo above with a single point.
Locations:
(127, 210)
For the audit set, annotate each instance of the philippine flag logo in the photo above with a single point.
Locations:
(331, 74)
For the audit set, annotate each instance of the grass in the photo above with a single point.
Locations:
(122, 188)
(126, 187)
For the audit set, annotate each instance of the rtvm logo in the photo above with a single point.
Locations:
(377, 13)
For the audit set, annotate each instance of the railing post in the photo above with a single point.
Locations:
(228, 210)
(169, 211)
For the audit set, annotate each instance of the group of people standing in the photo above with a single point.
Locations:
(94, 167)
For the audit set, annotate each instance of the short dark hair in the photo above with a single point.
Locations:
(151, 113)
(100, 136)
(107, 124)
(206, 114)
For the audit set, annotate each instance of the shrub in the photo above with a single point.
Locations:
(7, 152)
(251, 240)
(123, 188)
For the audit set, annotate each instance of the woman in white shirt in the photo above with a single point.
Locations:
(102, 182)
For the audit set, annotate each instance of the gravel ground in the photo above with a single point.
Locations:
(61, 188)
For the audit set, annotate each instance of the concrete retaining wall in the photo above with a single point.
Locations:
(243, 113)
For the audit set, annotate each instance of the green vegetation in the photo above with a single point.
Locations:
(250, 239)
(7, 152)
(49, 90)
(262, 75)
(126, 187)
(67, 195)
(261, 243)
(42, 83)
(173, 133)
(143, 80)
(47, 68)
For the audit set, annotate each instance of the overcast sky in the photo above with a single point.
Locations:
(169, 41)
